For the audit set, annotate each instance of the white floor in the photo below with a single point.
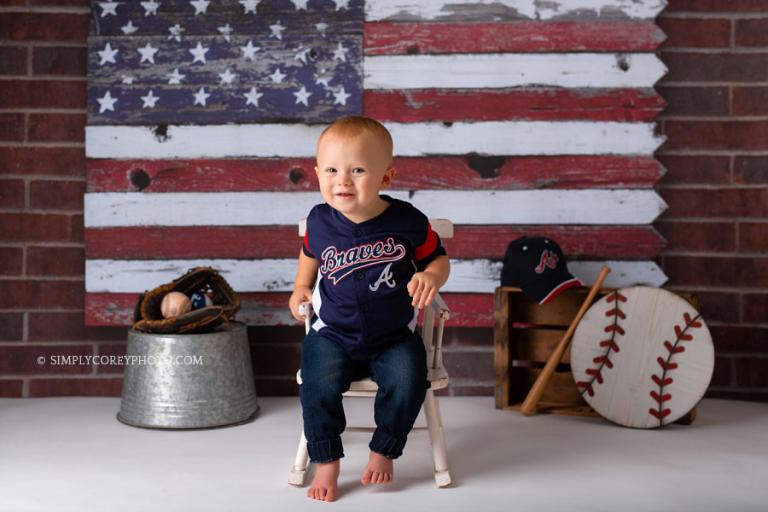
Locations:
(61, 454)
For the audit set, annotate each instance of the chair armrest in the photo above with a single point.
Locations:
(440, 307)
(305, 308)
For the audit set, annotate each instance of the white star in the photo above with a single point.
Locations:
(302, 96)
(226, 77)
(149, 100)
(252, 98)
(277, 76)
(300, 4)
(147, 53)
(106, 103)
(128, 28)
(341, 4)
(107, 55)
(250, 5)
(201, 96)
(108, 8)
(199, 53)
(127, 79)
(175, 77)
(200, 6)
(150, 7)
(175, 31)
(322, 79)
(340, 53)
(249, 50)
(277, 30)
(226, 30)
(341, 96)
(321, 27)
(301, 55)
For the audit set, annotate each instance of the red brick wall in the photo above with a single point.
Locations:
(716, 186)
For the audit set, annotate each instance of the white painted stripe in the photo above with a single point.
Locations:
(411, 139)
(493, 70)
(618, 206)
(277, 275)
(378, 10)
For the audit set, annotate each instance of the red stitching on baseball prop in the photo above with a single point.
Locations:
(681, 335)
(604, 360)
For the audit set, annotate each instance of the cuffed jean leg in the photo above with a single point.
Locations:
(326, 373)
(400, 371)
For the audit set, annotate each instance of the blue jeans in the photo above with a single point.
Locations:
(399, 370)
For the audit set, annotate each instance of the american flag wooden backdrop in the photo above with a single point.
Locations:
(512, 117)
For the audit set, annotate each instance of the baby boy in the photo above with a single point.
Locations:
(369, 262)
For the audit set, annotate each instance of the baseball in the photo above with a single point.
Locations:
(642, 357)
(174, 304)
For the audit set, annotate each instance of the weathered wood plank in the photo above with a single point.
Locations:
(411, 139)
(496, 70)
(244, 242)
(617, 206)
(217, 14)
(441, 10)
(295, 174)
(472, 172)
(384, 38)
(467, 309)
(277, 275)
(535, 104)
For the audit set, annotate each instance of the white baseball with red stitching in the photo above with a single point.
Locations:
(642, 357)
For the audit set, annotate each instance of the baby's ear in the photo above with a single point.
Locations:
(386, 180)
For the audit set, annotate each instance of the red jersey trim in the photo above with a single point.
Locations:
(306, 245)
(429, 245)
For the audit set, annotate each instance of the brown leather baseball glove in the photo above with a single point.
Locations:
(148, 318)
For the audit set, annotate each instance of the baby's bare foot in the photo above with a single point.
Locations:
(378, 471)
(325, 483)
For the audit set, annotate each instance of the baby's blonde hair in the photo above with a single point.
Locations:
(352, 126)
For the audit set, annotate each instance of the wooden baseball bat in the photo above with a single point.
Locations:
(534, 395)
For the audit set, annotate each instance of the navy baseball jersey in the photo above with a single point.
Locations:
(361, 297)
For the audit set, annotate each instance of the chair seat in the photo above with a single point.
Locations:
(438, 379)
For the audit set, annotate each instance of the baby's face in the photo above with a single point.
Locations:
(351, 172)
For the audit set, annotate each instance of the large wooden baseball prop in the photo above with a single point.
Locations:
(642, 357)
(534, 395)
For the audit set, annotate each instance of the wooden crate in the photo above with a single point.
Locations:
(525, 334)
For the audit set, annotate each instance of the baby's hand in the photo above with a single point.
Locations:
(422, 287)
(300, 294)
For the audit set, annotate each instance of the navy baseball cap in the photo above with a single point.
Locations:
(537, 266)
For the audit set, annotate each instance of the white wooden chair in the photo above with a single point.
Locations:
(431, 331)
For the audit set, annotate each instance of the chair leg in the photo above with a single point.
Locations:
(298, 476)
(437, 439)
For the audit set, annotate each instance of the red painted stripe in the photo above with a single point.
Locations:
(546, 104)
(116, 309)
(469, 242)
(385, 38)
(471, 172)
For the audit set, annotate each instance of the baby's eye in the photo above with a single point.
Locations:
(358, 170)
(331, 170)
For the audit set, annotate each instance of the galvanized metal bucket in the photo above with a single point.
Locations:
(181, 381)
